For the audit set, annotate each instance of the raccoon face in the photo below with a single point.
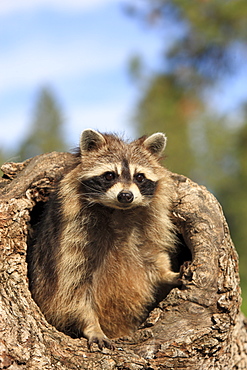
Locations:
(119, 189)
(118, 179)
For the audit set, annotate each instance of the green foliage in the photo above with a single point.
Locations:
(46, 133)
(165, 107)
(214, 150)
(218, 20)
(234, 200)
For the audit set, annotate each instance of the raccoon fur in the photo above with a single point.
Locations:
(103, 245)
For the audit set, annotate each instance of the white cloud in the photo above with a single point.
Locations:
(11, 6)
(29, 66)
(35, 59)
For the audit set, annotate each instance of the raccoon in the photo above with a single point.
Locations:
(103, 245)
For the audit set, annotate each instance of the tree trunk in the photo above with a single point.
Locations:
(197, 326)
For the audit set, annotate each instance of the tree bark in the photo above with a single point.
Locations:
(197, 326)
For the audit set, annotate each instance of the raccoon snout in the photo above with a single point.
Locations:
(125, 196)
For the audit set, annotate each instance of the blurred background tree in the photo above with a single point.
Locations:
(208, 46)
(47, 128)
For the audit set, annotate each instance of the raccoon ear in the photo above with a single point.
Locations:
(156, 143)
(91, 140)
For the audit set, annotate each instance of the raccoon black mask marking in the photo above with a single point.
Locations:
(102, 183)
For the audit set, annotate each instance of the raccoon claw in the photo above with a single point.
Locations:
(185, 270)
(101, 342)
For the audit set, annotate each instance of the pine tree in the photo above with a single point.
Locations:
(46, 132)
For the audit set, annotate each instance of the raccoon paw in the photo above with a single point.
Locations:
(102, 342)
(177, 281)
(173, 278)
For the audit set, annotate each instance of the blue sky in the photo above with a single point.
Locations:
(81, 50)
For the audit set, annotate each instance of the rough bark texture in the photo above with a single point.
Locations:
(199, 326)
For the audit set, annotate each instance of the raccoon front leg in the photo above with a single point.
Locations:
(92, 331)
(166, 274)
(94, 334)
(171, 277)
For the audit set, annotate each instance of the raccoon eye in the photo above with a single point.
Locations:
(109, 176)
(140, 177)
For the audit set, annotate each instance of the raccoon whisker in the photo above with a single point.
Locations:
(89, 197)
(93, 191)
(89, 187)
(90, 202)
(90, 194)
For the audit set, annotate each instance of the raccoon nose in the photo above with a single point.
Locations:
(125, 197)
